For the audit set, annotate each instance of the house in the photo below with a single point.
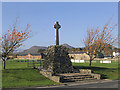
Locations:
(79, 55)
(115, 54)
(30, 56)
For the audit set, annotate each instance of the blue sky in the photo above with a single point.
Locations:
(74, 19)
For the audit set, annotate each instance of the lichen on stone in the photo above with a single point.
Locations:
(57, 60)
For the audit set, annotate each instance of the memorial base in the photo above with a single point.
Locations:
(57, 60)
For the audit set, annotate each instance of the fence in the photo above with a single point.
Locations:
(35, 63)
(94, 61)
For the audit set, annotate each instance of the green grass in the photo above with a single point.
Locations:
(24, 78)
(19, 60)
(107, 71)
(17, 74)
(11, 64)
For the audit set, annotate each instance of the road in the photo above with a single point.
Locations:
(95, 84)
(108, 84)
(99, 84)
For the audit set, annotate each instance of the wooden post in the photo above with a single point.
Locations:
(33, 64)
(28, 63)
(40, 63)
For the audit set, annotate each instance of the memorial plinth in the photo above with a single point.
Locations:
(57, 60)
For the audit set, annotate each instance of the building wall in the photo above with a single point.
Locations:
(29, 56)
(83, 56)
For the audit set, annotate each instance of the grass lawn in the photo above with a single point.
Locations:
(107, 71)
(24, 78)
(17, 74)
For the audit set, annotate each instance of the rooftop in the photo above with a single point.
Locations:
(30, 54)
(77, 52)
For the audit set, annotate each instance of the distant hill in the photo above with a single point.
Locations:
(67, 46)
(34, 49)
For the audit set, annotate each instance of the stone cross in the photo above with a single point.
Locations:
(56, 26)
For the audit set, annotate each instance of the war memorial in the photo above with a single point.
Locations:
(58, 66)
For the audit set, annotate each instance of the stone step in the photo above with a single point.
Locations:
(77, 78)
(70, 77)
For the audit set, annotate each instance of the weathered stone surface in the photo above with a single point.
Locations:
(56, 26)
(96, 76)
(47, 74)
(85, 71)
(70, 77)
(57, 60)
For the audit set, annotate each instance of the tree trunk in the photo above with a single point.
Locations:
(4, 65)
(90, 62)
(4, 61)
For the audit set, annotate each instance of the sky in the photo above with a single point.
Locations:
(74, 18)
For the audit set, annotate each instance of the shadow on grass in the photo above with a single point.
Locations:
(87, 67)
(18, 69)
(103, 76)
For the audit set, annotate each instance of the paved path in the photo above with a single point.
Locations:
(91, 84)
(99, 84)
(110, 84)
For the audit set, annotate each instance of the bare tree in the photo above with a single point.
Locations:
(98, 40)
